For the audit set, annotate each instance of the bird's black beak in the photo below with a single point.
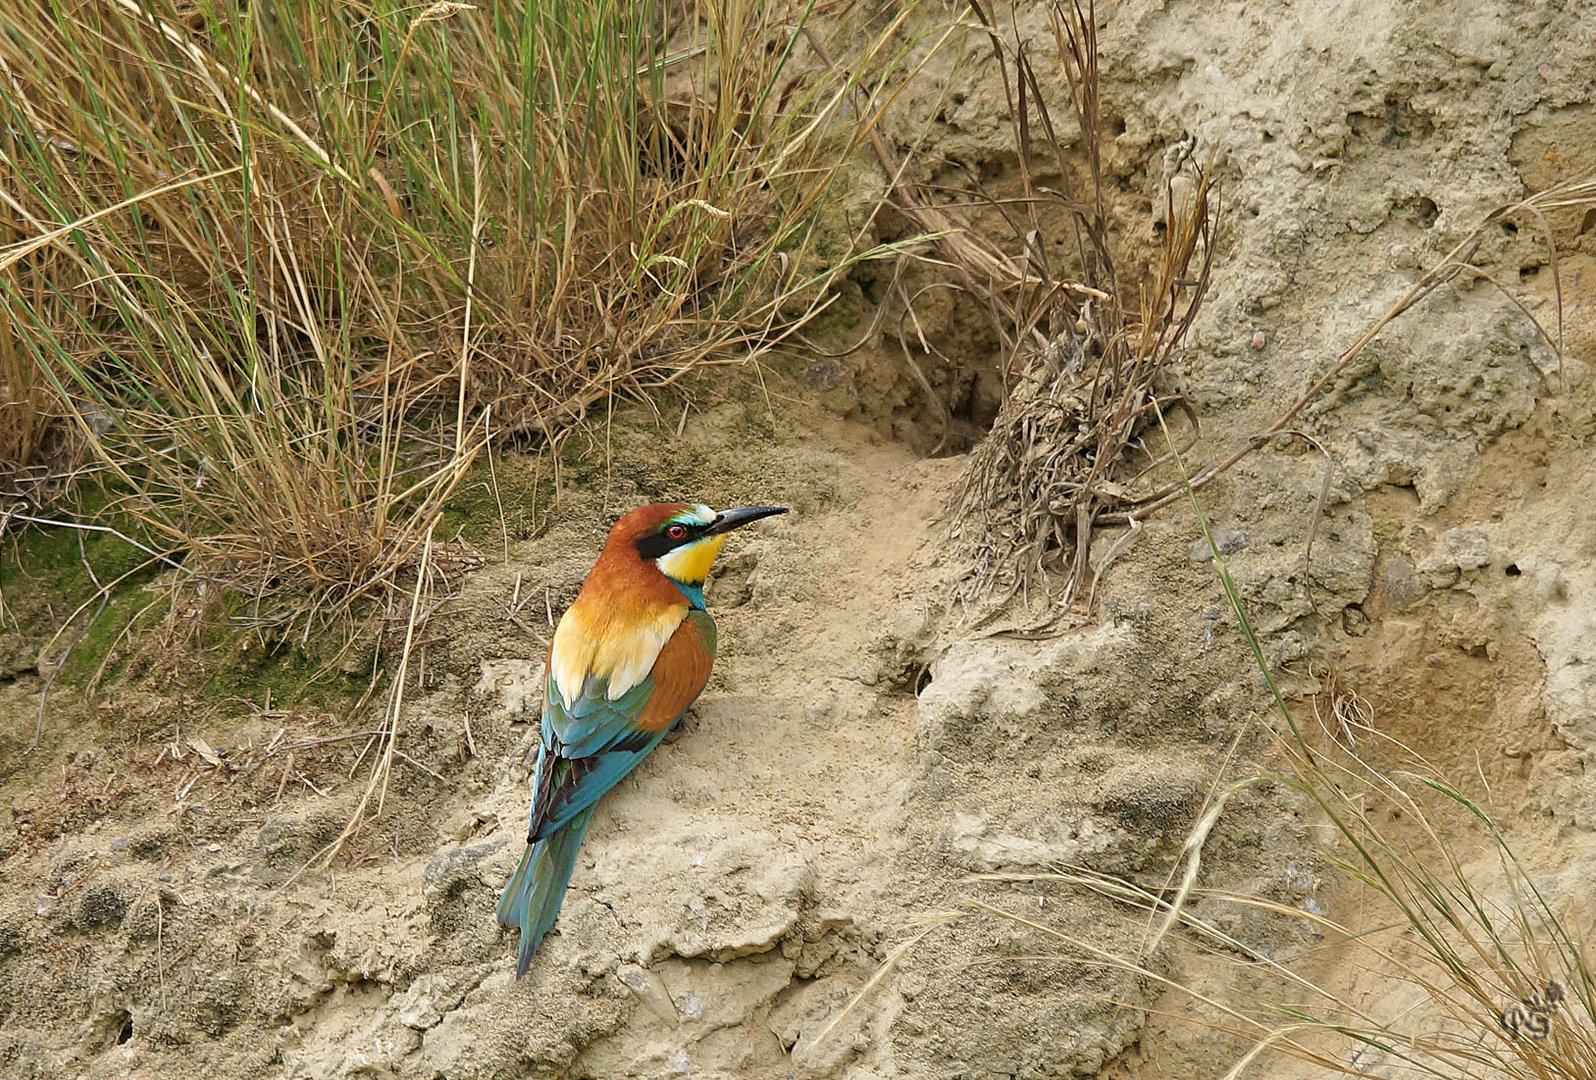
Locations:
(727, 520)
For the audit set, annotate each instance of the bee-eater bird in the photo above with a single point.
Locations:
(628, 657)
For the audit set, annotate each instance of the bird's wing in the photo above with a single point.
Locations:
(588, 748)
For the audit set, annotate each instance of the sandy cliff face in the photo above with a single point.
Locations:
(861, 753)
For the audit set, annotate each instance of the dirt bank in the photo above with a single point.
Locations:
(861, 751)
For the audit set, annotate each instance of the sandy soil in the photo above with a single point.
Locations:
(861, 753)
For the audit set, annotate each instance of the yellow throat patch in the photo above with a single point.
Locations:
(690, 565)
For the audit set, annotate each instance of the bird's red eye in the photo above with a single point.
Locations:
(676, 532)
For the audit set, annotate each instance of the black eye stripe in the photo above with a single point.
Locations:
(673, 535)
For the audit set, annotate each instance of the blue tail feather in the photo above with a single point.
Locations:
(532, 898)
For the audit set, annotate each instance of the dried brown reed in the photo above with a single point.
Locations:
(1085, 349)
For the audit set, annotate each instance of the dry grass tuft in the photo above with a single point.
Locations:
(292, 267)
(1058, 457)
(282, 272)
(1086, 349)
(1086, 359)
